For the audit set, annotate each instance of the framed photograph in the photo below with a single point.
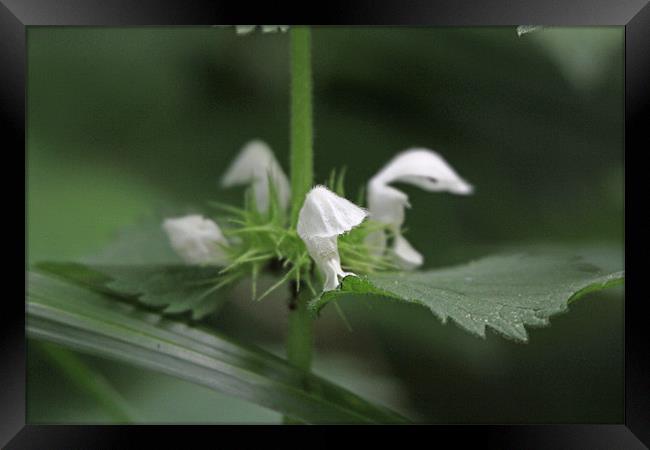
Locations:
(395, 216)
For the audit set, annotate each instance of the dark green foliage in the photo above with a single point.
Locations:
(504, 292)
(99, 324)
(173, 289)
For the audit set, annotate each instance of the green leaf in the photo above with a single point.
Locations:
(100, 324)
(175, 288)
(504, 292)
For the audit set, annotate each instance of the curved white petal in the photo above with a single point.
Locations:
(195, 239)
(323, 217)
(425, 169)
(420, 167)
(255, 165)
(408, 257)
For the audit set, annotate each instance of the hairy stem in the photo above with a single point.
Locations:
(302, 154)
(299, 337)
(299, 334)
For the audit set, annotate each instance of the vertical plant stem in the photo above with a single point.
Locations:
(299, 333)
(302, 154)
(299, 338)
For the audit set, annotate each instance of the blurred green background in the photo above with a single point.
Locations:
(126, 121)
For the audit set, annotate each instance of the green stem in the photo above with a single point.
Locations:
(299, 335)
(302, 154)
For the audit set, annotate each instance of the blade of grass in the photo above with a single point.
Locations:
(102, 325)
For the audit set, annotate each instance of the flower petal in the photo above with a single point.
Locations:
(324, 251)
(254, 165)
(420, 167)
(325, 214)
(425, 169)
(408, 257)
(195, 239)
(386, 204)
(323, 217)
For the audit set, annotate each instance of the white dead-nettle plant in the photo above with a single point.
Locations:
(324, 215)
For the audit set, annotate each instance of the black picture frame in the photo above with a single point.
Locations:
(16, 15)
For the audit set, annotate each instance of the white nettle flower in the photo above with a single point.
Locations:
(323, 217)
(246, 29)
(255, 165)
(421, 167)
(195, 239)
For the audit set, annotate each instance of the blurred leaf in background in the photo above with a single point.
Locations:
(126, 123)
(583, 57)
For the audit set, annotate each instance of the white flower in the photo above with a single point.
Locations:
(246, 29)
(323, 217)
(195, 239)
(255, 165)
(421, 167)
